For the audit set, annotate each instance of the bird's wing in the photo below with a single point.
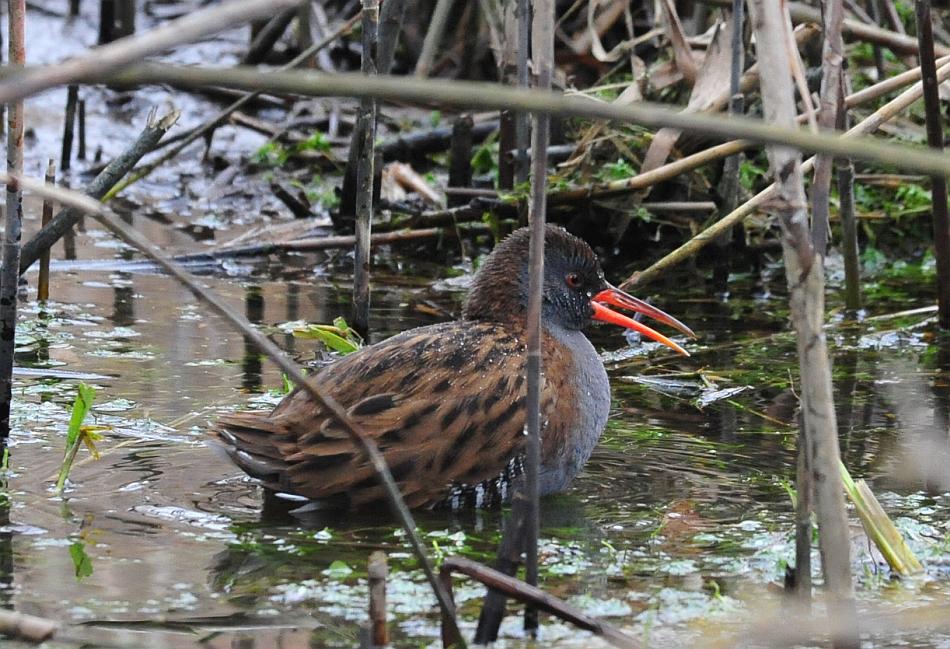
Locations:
(445, 404)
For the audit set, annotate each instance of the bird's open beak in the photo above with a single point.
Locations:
(616, 297)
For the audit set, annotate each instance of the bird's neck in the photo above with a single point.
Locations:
(499, 293)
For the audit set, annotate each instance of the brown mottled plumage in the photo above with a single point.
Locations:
(446, 403)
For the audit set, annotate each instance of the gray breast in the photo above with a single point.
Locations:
(593, 393)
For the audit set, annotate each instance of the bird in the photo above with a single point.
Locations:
(446, 403)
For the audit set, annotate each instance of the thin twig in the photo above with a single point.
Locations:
(69, 123)
(314, 244)
(832, 56)
(542, 54)
(877, 49)
(391, 16)
(804, 506)
(433, 39)
(849, 236)
(265, 40)
(81, 152)
(522, 121)
(507, 560)
(534, 596)
(460, 157)
(365, 175)
(376, 571)
(729, 183)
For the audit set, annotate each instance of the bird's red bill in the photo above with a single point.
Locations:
(616, 297)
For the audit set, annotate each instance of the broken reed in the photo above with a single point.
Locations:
(879, 526)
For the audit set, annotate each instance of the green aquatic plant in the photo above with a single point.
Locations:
(621, 169)
(272, 154)
(319, 190)
(275, 154)
(77, 434)
(751, 172)
(339, 336)
(82, 564)
(485, 159)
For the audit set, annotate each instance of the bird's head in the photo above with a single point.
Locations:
(575, 290)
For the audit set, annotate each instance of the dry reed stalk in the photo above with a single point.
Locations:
(805, 276)
(9, 277)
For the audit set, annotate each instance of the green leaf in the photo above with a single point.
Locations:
(340, 323)
(338, 570)
(84, 398)
(329, 338)
(271, 154)
(339, 336)
(485, 159)
(82, 564)
(316, 142)
(619, 170)
(77, 433)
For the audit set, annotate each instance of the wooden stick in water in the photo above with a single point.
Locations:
(365, 175)
(20, 626)
(523, 592)
(69, 123)
(9, 275)
(42, 284)
(542, 53)
(377, 571)
(81, 153)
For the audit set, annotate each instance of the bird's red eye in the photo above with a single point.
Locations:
(573, 280)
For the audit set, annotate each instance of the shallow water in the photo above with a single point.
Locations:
(679, 529)
(680, 521)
